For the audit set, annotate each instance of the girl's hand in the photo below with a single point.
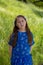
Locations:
(30, 49)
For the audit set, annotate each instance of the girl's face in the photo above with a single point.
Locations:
(21, 23)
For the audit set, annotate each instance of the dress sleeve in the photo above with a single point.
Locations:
(32, 39)
(11, 39)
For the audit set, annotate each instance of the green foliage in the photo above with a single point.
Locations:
(38, 3)
(9, 9)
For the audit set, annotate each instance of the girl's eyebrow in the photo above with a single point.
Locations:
(18, 22)
(21, 20)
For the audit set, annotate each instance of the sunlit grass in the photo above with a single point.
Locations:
(8, 11)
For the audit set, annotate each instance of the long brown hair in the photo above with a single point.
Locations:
(15, 31)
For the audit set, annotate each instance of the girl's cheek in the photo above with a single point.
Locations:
(25, 24)
(19, 26)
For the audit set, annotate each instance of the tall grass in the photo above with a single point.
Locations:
(9, 9)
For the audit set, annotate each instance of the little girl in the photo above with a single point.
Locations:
(20, 43)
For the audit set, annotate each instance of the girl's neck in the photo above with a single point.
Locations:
(22, 30)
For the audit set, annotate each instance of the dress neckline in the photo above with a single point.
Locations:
(21, 31)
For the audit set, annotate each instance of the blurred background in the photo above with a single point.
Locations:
(33, 11)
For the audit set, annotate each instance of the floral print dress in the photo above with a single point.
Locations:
(21, 52)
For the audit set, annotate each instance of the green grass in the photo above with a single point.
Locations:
(9, 9)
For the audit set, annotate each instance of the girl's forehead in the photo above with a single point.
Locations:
(20, 18)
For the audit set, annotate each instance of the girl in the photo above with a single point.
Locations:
(20, 42)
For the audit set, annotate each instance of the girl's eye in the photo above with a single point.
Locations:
(18, 22)
(22, 20)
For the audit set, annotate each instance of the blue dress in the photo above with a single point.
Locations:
(21, 52)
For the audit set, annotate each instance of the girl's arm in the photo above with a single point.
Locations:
(10, 44)
(10, 50)
(32, 41)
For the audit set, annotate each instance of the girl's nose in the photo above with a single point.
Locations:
(21, 23)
